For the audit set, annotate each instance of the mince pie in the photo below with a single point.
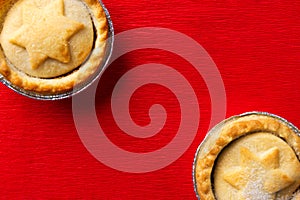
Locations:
(254, 156)
(50, 46)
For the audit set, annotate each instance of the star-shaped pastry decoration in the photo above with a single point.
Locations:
(45, 33)
(258, 174)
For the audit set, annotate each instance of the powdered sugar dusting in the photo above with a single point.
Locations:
(254, 191)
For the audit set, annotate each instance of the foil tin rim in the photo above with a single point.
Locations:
(220, 124)
(77, 89)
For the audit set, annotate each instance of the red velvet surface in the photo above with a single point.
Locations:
(255, 45)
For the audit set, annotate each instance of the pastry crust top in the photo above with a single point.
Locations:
(61, 61)
(256, 166)
(235, 131)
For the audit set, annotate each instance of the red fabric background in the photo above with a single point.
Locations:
(255, 45)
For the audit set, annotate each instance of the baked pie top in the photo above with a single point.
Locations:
(49, 46)
(251, 157)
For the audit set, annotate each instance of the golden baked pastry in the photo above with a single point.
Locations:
(255, 156)
(50, 46)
